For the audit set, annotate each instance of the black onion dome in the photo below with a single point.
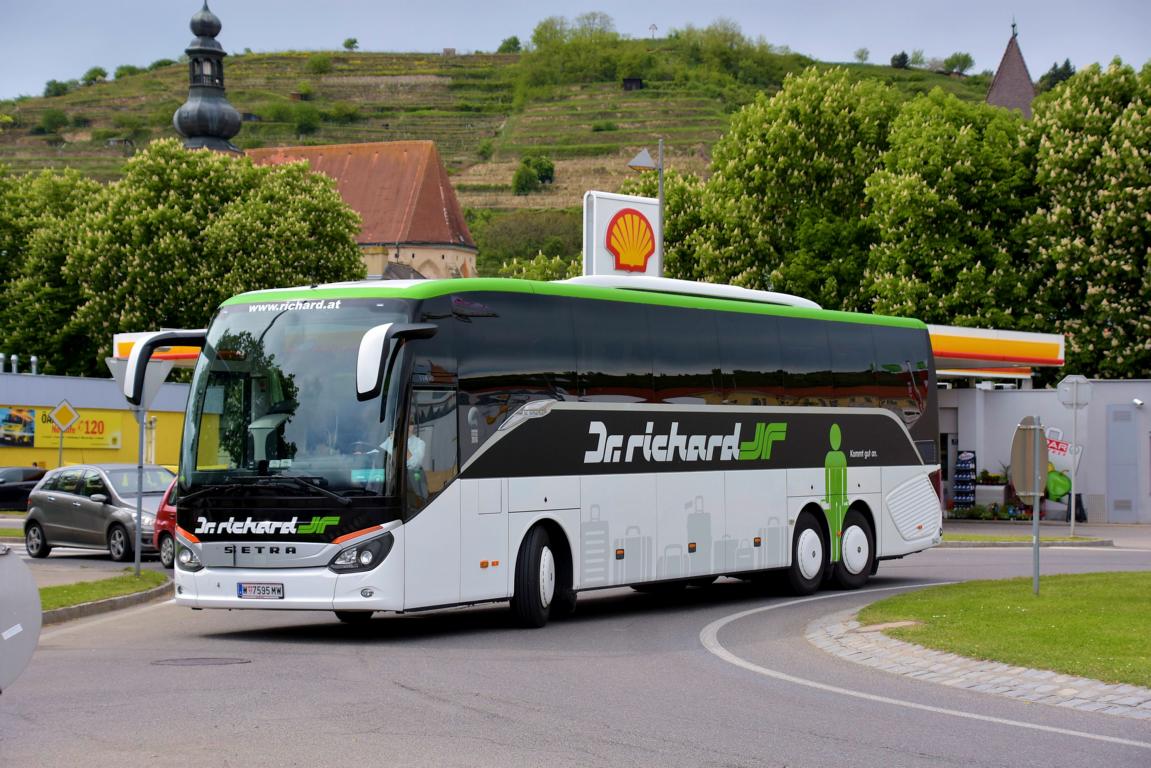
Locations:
(205, 23)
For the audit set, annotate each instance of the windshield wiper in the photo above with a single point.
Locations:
(302, 483)
(220, 488)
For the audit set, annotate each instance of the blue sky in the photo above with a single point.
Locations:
(61, 39)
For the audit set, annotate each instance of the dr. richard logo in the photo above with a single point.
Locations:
(659, 447)
(266, 527)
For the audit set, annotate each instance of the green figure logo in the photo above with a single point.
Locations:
(318, 525)
(765, 435)
(835, 483)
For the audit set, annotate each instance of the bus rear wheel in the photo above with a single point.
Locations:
(857, 552)
(535, 581)
(808, 557)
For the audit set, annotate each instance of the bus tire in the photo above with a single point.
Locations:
(35, 542)
(808, 557)
(535, 580)
(857, 552)
(119, 544)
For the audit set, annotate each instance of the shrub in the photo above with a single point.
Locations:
(343, 112)
(543, 167)
(158, 63)
(305, 89)
(486, 150)
(603, 125)
(525, 181)
(307, 119)
(81, 121)
(52, 120)
(319, 64)
(94, 75)
(57, 88)
(126, 70)
(900, 60)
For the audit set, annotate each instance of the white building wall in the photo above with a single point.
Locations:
(987, 421)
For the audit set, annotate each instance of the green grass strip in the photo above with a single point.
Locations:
(17, 533)
(991, 537)
(1092, 625)
(67, 595)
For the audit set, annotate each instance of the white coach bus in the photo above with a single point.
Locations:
(404, 445)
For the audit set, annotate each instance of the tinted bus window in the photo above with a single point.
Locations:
(613, 351)
(806, 361)
(750, 362)
(853, 364)
(903, 375)
(512, 348)
(685, 355)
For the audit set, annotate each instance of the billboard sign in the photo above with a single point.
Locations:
(621, 235)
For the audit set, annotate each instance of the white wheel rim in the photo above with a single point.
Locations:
(34, 541)
(167, 549)
(547, 577)
(856, 549)
(809, 553)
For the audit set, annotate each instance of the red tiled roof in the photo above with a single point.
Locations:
(400, 189)
(1012, 87)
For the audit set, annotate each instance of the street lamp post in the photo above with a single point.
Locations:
(643, 162)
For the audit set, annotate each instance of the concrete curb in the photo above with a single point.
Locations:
(57, 615)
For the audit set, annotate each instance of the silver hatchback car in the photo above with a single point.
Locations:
(94, 506)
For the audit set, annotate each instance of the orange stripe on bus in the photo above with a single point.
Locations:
(354, 534)
(187, 535)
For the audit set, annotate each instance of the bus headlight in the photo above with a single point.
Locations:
(188, 561)
(364, 556)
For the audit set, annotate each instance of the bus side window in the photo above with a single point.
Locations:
(685, 355)
(749, 355)
(853, 364)
(430, 448)
(806, 361)
(613, 351)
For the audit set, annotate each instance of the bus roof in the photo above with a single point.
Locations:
(427, 289)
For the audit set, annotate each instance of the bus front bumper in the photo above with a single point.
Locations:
(291, 589)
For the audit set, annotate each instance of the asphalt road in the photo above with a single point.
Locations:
(627, 681)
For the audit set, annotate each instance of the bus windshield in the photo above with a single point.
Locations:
(274, 396)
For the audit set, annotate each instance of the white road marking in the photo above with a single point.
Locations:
(709, 636)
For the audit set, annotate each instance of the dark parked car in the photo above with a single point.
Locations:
(164, 535)
(16, 483)
(94, 506)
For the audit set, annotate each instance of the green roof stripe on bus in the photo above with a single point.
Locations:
(427, 289)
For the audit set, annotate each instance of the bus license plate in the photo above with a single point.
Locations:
(253, 591)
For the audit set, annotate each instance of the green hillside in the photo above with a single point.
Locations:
(484, 111)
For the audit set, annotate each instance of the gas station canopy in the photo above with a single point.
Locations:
(979, 352)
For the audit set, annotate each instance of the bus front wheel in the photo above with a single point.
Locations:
(857, 558)
(535, 584)
(808, 557)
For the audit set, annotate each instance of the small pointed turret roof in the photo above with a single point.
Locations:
(1012, 87)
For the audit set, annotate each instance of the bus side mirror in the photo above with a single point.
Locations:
(142, 351)
(378, 349)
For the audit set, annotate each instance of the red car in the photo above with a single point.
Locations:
(164, 534)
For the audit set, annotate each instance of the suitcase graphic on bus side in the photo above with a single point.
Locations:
(675, 563)
(775, 542)
(698, 533)
(635, 565)
(594, 550)
(745, 556)
(724, 553)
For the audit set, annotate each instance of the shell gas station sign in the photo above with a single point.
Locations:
(621, 235)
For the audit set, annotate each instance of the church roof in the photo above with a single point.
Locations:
(1012, 87)
(400, 189)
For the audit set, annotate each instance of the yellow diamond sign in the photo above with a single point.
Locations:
(64, 415)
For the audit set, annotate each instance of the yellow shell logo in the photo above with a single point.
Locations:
(631, 239)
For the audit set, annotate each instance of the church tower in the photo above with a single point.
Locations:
(206, 119)
(1012, 88)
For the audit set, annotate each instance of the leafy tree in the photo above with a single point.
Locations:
(319, 64)
(307, 118)
(682, 217)
(160, 63)
(179, 233)
(57, 88)
(900, 60)
(522, 234)
(52, 120)
(94, 75)
(543, 166)
(351, 44)
(525, 180)
(126, 70)
(958, 62)
(917, 59)
(1090, 243)
(38, 211)
(1054, 76)
(947, 206)
(543, 267)
(784, 207)
(5, 121)
(862, 55)
(510, 45)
